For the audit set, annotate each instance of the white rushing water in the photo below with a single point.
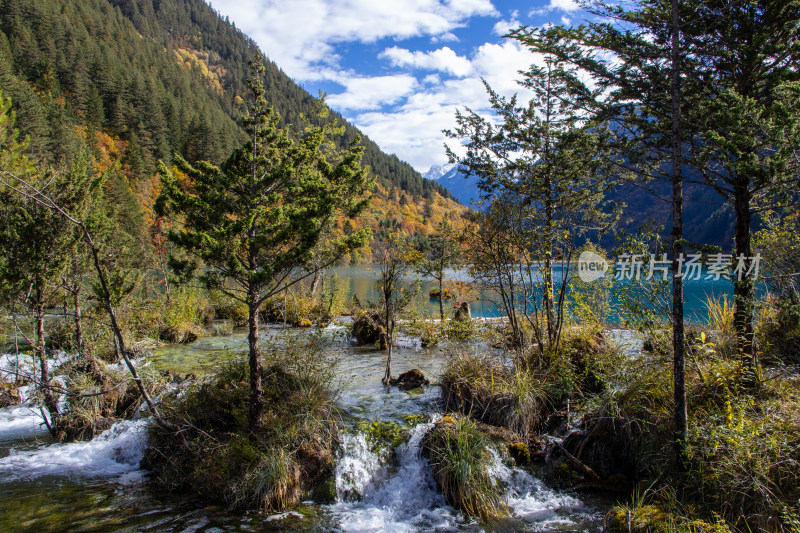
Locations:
(400, 499)
(375, 497)
(115, 453)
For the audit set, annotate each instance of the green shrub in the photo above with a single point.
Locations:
(215, 457)
(779, 331)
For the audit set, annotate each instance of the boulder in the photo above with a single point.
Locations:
(368, 329)
(410, 380)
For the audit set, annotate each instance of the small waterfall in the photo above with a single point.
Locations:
(376, 497)
(530, 499)
(403, 498)
(357, 468)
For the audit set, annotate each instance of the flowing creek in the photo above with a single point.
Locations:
(99, 486)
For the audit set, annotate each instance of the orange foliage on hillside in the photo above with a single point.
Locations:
(405, 213)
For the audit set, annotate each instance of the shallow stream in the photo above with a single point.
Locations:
(98, 485)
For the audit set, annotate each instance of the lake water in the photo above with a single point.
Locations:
(361, 282)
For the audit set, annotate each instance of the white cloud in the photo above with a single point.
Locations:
(566, 21)
(560, 5)
(563, 5)
(502, 27)
(443, 60)
(413, 129)
(374, 92)
(448, 37)
(299, 35)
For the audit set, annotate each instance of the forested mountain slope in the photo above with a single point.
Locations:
(145, 79)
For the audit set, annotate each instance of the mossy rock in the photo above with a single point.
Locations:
(383, 434)
(413, 420)
(325, 491)
(520, 453)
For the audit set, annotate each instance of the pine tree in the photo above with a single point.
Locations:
(260, 215)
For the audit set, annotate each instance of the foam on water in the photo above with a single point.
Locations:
(116, 452)
(374, 497)
(530, 499)
(21, 422)
(400, 500)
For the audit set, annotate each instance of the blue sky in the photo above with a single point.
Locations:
(398, 69)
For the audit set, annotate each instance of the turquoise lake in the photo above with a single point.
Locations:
(361, 281)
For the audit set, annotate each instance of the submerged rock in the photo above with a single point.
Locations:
(410, 380)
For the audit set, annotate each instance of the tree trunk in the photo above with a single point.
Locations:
(78, 322)
(387, 296)
(441, 300)
(679, 361)
(49, 399)
(256, 390)
(318, 280)
(743, 289)
(549, 298)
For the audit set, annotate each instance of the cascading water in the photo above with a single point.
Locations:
(97, 483)
(403, 498)
(372, 496)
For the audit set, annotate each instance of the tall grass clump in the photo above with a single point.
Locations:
(720, 319)
(214, 456)
(460, 458)
(479, 385)
(520, 394)
(98, 395)
(177, 319)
